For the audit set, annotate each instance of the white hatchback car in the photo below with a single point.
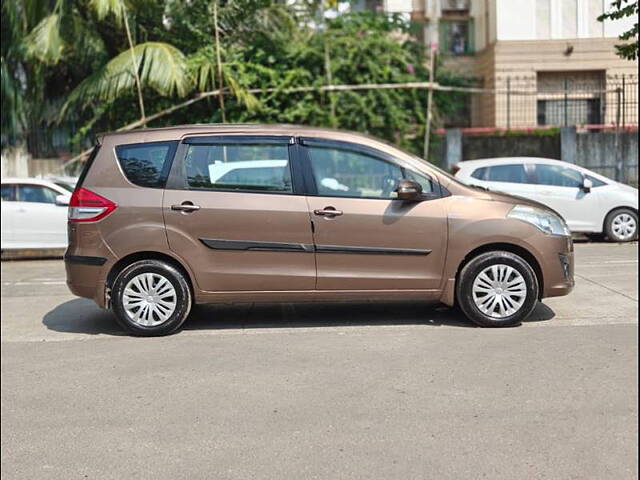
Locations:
(34, 213)
(589, 202)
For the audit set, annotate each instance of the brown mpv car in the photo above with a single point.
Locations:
(165, 218)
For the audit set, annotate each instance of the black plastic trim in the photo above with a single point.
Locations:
(217, 244)
(242, 138)
(247, 245)
(370, 250)
(84, 260)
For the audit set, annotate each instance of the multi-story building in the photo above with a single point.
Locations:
(550, 62)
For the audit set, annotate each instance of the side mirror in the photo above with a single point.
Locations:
(587, 185)
(409, 190)
(62, 200)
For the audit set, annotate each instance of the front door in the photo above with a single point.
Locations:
(561, 188)
(233, 214)
(365, 239)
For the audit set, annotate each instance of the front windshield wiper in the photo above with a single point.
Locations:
(480, 187)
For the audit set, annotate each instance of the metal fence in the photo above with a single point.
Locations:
(550, 99)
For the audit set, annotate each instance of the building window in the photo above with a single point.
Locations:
(455, 6)
(572, 111)
(456, 37)
(570, 98)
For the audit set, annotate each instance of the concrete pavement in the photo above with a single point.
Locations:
(323, 391)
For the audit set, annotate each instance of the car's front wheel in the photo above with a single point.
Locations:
(621, 225)
(151, 298)
(497, 289)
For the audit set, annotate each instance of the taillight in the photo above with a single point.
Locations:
(86, 206)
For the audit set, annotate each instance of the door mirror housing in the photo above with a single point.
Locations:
(63, 200)
(409, 191)
(587, 185)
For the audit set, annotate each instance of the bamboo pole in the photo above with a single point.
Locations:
(427, 127)
(219, 62)
(136, 74)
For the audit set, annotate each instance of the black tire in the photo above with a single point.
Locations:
(464, 288)
(609, 228)
(183, 298)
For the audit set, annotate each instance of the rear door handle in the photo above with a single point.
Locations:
(328, 212)
(185, 207)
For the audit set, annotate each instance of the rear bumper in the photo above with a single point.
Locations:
(87, 262)
(85, 276)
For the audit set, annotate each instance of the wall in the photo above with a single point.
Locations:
(594, 150)
(481, 146)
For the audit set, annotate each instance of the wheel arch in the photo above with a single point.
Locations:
(522, 252)
(621, 207)
(148, 255)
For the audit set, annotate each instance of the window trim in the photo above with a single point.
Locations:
(310, 183)
(177, 179)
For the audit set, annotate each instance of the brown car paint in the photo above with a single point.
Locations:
(418, 247)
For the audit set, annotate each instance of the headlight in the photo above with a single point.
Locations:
(546, 221)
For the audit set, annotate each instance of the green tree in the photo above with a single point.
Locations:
(622, 9)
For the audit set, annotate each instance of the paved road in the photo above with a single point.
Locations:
(323, 391)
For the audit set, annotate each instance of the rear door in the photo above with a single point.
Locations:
(365, 239)
(234, 212)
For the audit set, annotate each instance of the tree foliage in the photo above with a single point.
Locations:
(622, 9)
(74, 62)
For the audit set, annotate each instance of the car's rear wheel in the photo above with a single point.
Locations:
(151, 298)
(497, 289)
(621, 225)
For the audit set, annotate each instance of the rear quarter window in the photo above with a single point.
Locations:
(479, 173)
(147, 164)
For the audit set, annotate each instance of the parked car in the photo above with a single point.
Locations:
(64, 181)
(590, 203)
(34, 214)
(157, 224)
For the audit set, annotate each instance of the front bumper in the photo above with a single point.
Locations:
(558, 268)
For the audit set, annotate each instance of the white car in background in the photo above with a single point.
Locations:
(590, 203)
(34, 213)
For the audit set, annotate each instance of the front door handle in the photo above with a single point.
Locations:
(185, 207)
(328, 212)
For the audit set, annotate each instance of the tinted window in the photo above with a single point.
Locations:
(558, 176)
(146, 164)
(479, 173)
(87, 165)
(344, 173)
(36, 194)
(244, 167)
(8, 193)
(507, 173)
